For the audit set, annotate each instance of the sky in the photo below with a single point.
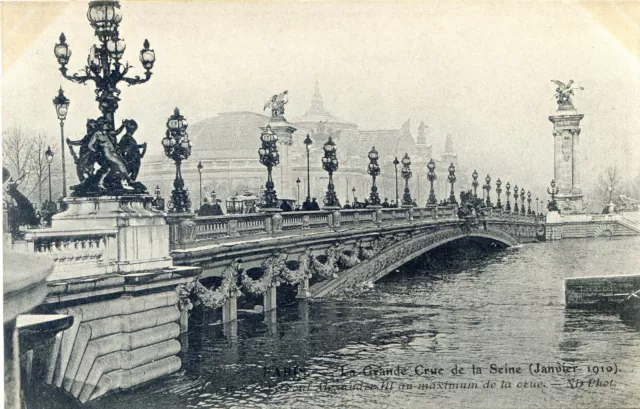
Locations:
(476, 69)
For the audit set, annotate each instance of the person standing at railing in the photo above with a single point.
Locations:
(385, 204)
(347, 206)
(286, 207)
(314, 205)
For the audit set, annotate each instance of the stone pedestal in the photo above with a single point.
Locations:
(566, 169)
(102, 235)
(282, 175)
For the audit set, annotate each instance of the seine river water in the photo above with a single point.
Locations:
(455, 329)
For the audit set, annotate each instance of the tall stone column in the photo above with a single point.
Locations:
(566, 170)
(282, 174)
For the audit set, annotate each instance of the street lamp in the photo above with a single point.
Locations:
(49, 155)
(475, 183)
(353, 190)
(431, 176)
(62, 106)
(487, 187)
(298, 183)
(395, 164)
(158, 200)
(537, 208)
(498, 191)
(330, 164)
(452, 180)
(103, 65)
(105, 69)
(553, 191)
(307, 142)
(200, 167)
(515, 199)
(374, 170)
(269, 157)
(177, 147)
(529, 203)
(523, 210)
(406, 175)
(508, 208)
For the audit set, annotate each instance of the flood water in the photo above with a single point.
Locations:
(453, 307)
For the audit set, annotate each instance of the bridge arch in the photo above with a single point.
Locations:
(401, 252)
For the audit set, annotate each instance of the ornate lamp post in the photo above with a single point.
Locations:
(105, 69)
(307, 143)
(330, 164)
(452, 180)
(537, 208)
(431, 175)
(177, 147)
(200, 167)
(406, 175)
(103, 65)
(298, 184)
(396, 162)
(498, 191)
(508, 208)
(62, 106)
(353, 190)
(523, 209)
(374, 170)
(515, 199)
(475, 184)
(269, 157)
(529, 203)
(553, 191)
(49, 155)
(487, 187)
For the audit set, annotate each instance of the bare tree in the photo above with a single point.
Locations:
(609, 182)
(39, 166)
(16, 153)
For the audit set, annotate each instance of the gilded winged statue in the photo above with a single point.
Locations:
(276, 103)
(563, 94)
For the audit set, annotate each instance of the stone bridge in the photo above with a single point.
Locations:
(325, 252)
(128, 275)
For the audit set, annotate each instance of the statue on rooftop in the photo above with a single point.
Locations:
(563, 94)
(276, 103)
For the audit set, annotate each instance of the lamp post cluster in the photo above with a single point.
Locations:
(553, 191)
(487, 187)
(374, 170)
(104, 65)
(330, 164)
(406, 175)
(475, 184)
(498, 192)
(431, 175)
(452, 180)
(269, 157)
(177, 147)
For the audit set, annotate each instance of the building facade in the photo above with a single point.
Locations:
(227, 146)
